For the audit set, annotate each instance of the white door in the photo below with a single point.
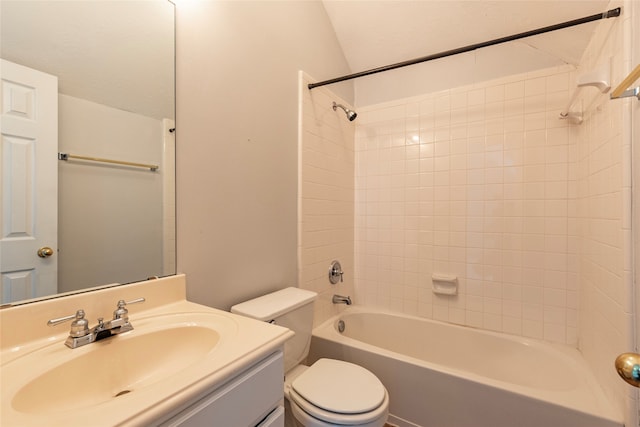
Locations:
(28, 182)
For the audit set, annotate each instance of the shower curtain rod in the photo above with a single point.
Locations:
(608, 14)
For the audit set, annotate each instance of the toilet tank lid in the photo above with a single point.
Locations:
(270, 306)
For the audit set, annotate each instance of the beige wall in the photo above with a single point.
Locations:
(237, 139)
(110, 217)
(633, 60)
(326, 197)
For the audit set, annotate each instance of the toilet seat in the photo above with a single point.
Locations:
(339, 392)
(374, 418)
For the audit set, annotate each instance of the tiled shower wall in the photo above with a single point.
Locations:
(603, 215)
(476, 182)
(325, 197)
(531, 213)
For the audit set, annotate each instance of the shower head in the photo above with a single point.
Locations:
(351, 115)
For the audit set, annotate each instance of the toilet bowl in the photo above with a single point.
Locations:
(332, 392)
(329, 392)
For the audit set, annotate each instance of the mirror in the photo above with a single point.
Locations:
(113, 223)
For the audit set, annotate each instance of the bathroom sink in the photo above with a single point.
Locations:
(177, 353)
(115, 367)
(159, 348)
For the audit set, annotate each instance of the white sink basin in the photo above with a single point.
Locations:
(114, 367)
(158, 349)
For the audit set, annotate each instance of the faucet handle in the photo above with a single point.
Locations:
(79, 327)
(335, 272)
(121, 311)
(133, 301)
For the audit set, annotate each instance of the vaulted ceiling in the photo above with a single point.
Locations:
(372, 33)
(376, 33)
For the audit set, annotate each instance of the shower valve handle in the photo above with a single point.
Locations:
(335, 273)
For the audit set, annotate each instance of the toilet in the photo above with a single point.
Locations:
(329, 392)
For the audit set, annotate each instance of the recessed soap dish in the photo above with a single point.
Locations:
(444, 284)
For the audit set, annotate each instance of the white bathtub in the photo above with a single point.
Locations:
(443, 375)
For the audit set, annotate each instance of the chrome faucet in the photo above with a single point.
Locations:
(80, 333)
(339, 299)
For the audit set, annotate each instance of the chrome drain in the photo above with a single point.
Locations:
(341, 326)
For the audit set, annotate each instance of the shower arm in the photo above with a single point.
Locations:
(351, 115)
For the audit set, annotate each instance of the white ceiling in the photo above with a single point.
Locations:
(372, 33)
(377, 33)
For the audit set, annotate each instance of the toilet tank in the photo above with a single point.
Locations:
(291, 308)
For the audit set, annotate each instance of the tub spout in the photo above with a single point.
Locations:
(339, 299)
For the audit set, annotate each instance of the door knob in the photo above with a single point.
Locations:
(45, 252)
(628, 367)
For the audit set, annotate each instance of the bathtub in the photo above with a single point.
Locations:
(443, 375)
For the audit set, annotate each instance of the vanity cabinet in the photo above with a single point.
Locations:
(252, 398)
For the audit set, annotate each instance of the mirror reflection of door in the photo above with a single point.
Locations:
(114, 61)
(29, 181)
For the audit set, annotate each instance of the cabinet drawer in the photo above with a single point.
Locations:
(275, 418)
(244, 401)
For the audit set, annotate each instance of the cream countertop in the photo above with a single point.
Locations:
(243, 342)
